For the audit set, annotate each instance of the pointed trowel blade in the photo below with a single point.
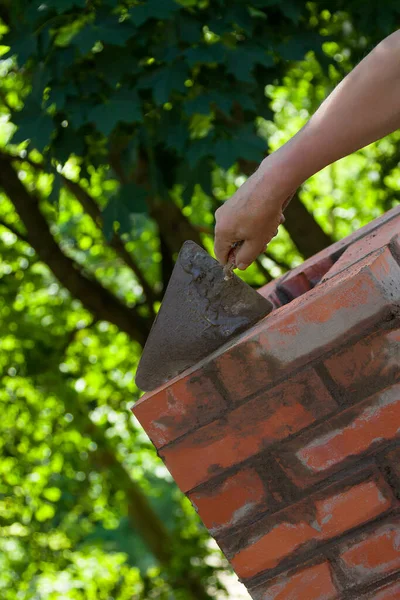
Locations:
(200, 312)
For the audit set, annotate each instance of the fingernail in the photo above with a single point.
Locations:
(242, 266)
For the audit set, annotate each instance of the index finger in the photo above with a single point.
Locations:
(222, 246)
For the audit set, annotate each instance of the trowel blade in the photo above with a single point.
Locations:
(200, 312)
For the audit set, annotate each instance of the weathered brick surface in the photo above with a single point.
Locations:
(357, 251)
(314, 323)
(234, 499)
(287, 440)
(178, 407)
(345, 438)
(303, 526)
(373, 361)
(294, 287)
(388, 592)
(311, 583)
(269, 292)
(372, 555)
(247, 430)
(319, 264)
(391, 466)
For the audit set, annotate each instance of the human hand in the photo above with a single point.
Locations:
(252, 216)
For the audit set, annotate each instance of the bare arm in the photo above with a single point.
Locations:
(363, 108)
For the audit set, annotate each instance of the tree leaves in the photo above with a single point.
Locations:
(205, 53)
(124, 106)
(33, 124)
(130, 200)
(107, 30)
(297, 47)
(54, 195)
(62, 6)
(201, 104)
(244, 143)
(164, 81)
(22, 43)
(153, 9)
(66, 143)
(199, 175)
(111, 31)
(240, 62)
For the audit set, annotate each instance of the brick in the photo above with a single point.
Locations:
(299, 528)
(247, 430)
(389, 592)
(312, 583)
(395, 247)
(295, 286)
(231, 501)
(391, 463)
(269, 292)
(315, 272)
(183, 404)
(310, 325)
(343, 439)
(331, 252)
(361, 248)
(373, 555)
(373, 361)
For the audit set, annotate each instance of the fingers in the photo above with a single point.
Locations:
(248, 253)
(222, 246)
(251, 249)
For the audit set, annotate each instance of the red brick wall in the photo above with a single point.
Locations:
(287, 441)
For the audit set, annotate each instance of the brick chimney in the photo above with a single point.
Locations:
(287, 440)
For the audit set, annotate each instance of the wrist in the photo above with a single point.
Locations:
(290, 165)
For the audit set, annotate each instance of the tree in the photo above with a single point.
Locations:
(124, 126)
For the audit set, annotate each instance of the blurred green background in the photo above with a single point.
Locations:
(123, 126)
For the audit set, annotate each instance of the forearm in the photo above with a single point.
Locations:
(363, 108)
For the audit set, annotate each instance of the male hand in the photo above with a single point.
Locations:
(252, 215)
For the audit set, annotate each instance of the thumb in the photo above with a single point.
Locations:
(248, 253)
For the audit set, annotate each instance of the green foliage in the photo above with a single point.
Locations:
(129, 123)
(130, 200)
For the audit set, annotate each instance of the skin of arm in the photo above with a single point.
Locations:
(363, 108)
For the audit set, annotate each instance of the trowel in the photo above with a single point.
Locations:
(205, 305)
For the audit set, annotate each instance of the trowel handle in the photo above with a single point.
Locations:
(231, 263)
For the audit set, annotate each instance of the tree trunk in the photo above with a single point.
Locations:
(174, 226)
(308, 237)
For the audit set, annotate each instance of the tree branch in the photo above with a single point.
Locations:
(91, 207)
(280, 263)
(98, 300)
(263, 270)
(11, 228)
(307, 235)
